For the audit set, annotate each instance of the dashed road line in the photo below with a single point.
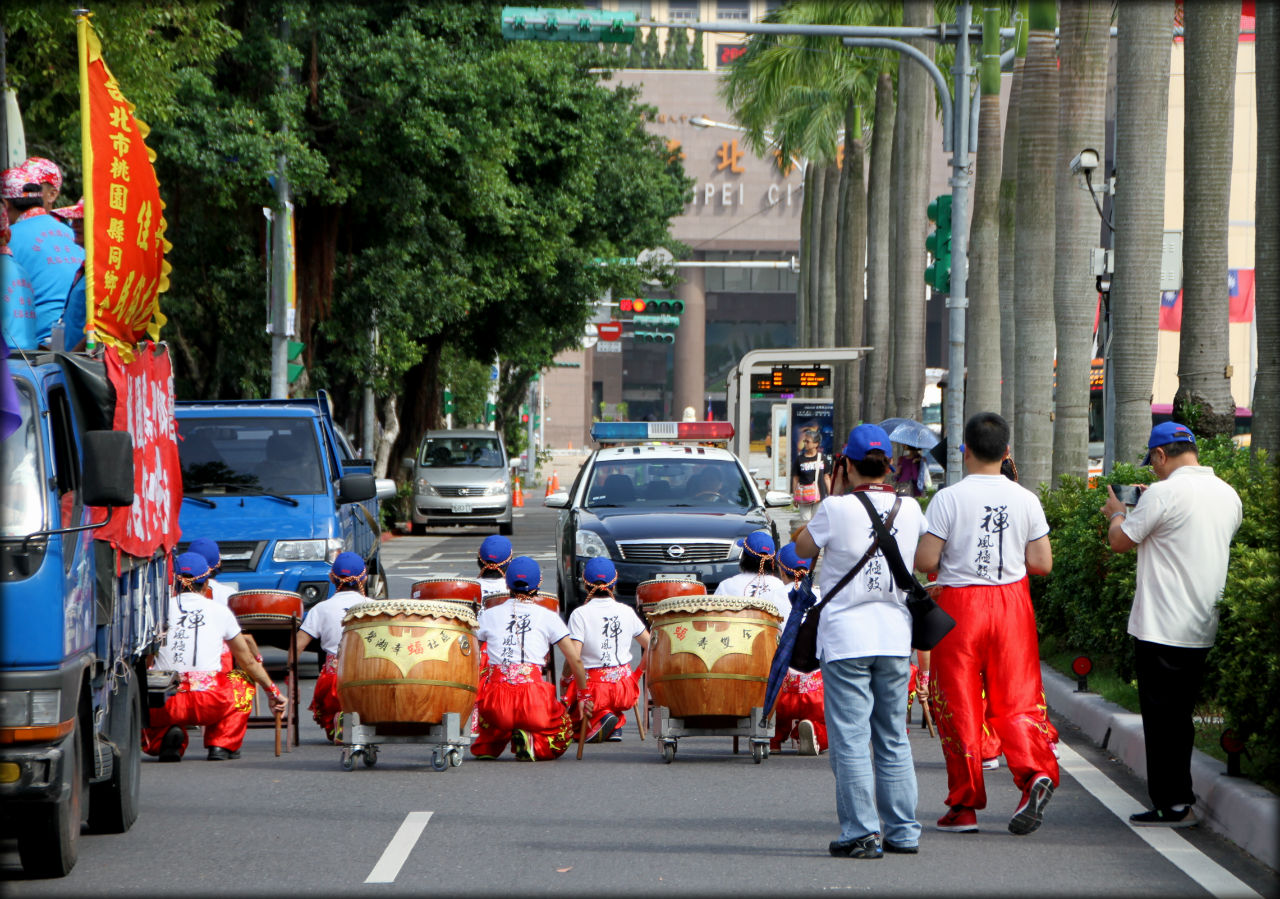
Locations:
(393, 857)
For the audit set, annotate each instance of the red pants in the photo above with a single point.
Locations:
(991, 743)
(614, 691)
(224, 719)
(799, 700)
(994, 642)
(515, 697)
(325, 704)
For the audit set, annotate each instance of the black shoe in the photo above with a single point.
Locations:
(219, 754)
(862, 847)
(1165, 817)
(608, 724)
(171, 745)
(899, 848)
(615, 737)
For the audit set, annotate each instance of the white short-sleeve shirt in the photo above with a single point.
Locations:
(492, 586)
(221, 591)
(987, 521)
(605, 628)
(520, 632)
(1183, 526)
(869, 616)
(758, 586)
(324, 620)
(198, 626)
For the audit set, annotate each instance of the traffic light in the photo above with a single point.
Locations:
(654, 337)
(448, 401)
(938, 274)
(592, 26)
(630, 304)
(666, 307)
(524, 415)
(295, 366)
(490, 413)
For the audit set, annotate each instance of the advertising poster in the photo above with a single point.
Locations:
(779, 448)
(810, 426)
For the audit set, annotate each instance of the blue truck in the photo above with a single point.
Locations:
(277, 485)
(79, 616)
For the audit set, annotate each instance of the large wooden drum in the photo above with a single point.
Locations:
(546, 600)
(711, 656)
(650, 593)
(464, 590)
(265, 606)
(407, 661)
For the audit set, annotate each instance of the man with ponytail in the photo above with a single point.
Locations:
(493, 558)
(324, 623)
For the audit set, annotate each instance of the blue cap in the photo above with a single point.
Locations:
(523, 575)
(789, 558)
(865, 438)
(348, 564)
(194, 566)
(495, 549)
(758, 543)
(206, 548)
(1165, 433)
(599, 571)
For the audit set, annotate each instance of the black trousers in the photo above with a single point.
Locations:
(1169, 681)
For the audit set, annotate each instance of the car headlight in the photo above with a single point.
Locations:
(28, 708)
(498, 489)
(589, 544)
(426, 489)
(306, 550)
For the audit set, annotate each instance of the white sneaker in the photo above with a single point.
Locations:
(991, 764)
(1054, 747)
(808, 738)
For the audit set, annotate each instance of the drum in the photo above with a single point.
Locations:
(407, 661)
(710, 656)
(650, 593)
(444, 589)
(546, 600)
(265, 606)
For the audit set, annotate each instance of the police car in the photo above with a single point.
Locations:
(659, 499)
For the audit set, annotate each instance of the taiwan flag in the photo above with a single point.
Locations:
(1240, 291)
(1171, 310)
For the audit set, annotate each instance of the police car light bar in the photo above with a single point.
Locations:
(618, 431)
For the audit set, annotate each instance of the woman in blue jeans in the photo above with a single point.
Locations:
(864, 642)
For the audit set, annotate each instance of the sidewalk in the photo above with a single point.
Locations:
(1240, 810)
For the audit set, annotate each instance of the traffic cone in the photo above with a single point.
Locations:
(548, 493)
(517, 501)
(555, 482)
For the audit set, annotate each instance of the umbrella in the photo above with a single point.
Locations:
(913, 433)
(889, 424)
(802, 599)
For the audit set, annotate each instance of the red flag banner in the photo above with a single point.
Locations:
(1239, 299)
(124, 225)
(144, 408)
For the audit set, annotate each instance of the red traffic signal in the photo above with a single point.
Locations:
(631, 305)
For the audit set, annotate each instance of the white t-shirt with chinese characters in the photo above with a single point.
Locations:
(758, 586)
(869, 616)
(221, 592)
(605, 628)
(987, 521)
(324, 620)
(197, 628)
(1183, 526)
(493, 586)
(519, 632)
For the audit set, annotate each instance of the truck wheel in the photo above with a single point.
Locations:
(377, 587)
(50, 838)
(113, 804)
(418, 530)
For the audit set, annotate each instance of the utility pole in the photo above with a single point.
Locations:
(281, 327)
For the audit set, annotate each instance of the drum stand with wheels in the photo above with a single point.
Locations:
(668, 730)
(361, 741)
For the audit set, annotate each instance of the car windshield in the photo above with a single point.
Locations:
(249, 455)
(21, 507)
(668, 483)
(460, 452)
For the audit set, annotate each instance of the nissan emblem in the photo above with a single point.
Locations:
(675, 552)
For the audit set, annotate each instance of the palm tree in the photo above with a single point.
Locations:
(1034, 265)
(829, 218)
(851, 257)
(1145, 36)
(1203, 400)
(876, 369)
(982, 338)
(1266, 289)
(1085, 34)
(1008, 213)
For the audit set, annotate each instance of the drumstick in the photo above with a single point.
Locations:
(928, 716)
(277, 735)
(639, 718)
(582, 733)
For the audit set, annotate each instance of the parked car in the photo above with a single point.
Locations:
(461, 477)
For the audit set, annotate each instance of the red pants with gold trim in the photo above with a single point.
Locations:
(994, 642)
(991, 742)
(614, 691)
(203, 698)
(799, 700)
(325, 704)
(515, 697)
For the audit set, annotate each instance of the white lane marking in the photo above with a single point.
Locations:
(1169, 843)
(398, 849)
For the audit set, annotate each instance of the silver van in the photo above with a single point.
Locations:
(461, 477)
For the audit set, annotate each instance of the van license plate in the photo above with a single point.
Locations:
(460, 508)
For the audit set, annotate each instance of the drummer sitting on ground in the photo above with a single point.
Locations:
(603, 628)
(197, 627)
(517, 705)
(756, 578)
(799, 711)
(324, 623)
(493, 558)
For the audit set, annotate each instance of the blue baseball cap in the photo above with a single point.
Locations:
(865, 438)
(523, 575)
(348, 564)
(495, 549)
(599, 571)
(1165, 433)
(789, 558)
(206, 548)
(758, 543)
(194, 566)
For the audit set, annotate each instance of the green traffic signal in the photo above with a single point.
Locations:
(667, 307)
(591, 26)
(654, 337)
(938, 243)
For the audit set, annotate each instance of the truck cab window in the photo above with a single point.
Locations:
(66, 462)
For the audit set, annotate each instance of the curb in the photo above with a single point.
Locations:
(1242, 811)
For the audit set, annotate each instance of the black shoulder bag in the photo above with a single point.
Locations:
(804, 655)
(929, 621)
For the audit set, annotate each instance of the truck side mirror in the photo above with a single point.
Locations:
(106, 471)
(407, 463)
(356, 488)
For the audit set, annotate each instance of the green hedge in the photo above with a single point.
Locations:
(1086, 601)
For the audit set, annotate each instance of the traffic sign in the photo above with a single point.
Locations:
(609, 330)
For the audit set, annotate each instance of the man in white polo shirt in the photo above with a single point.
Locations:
(1182, 527)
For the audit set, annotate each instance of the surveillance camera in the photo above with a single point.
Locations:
(1085, 162)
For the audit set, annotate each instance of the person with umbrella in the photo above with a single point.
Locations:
(864, 644)
(799, 708)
